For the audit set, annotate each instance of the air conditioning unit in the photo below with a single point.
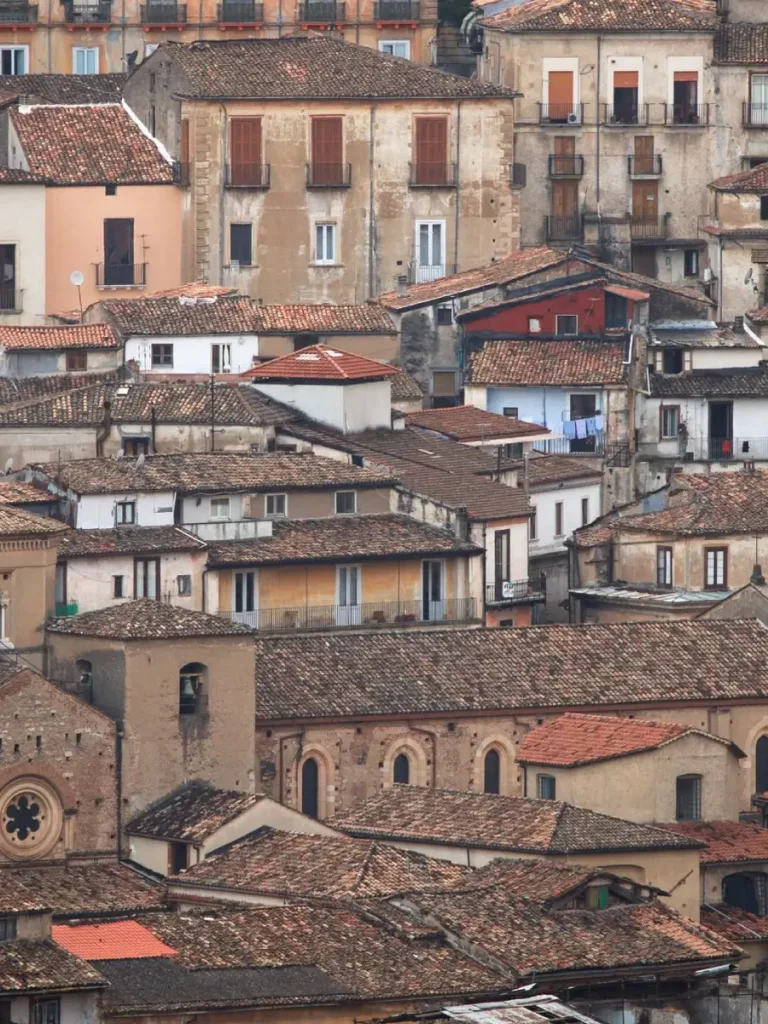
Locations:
(707, 274)
(573, 118)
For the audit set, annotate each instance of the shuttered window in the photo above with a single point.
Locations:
(327, 150)
(245, 150)
(431, 150)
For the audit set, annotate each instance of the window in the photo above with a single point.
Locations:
(119, 267)
(511, 411)
(688, 797)
(758, 113)
(8, 277)
(430, 250)
(135, 446)
(558, 518)
(669, 417)
(763, 207)
(191, 687)
(178, 857)
(401, 770)
(276, 505)
(184, 585)
(431, 151)
(545, 787)
(325, 242)
(110, 190)
(14, 60)
(245, 151)
(492, 772)
(534, 325)
(118, 587)
(301, 341)
(85, 60)
(162, 356)
(310, 788)
(685, 97)
(346, 503)
(560, 107)
(396, 47)
(761, 765)
(745, 890)
(327, 151)
(443, 388)
(566, 325)
(616, 310)
(513, 450)
(219, 508)
(7, 928)
(60, 586)
(501, 550)
(672, 360)
(691, 262)
(245, 597)
(147, 578)
(125, 513)
(76, 359)
(240, 245)
(663, 567)
(597, 897)
(532, 526)
(221, 358)
(716, 567)
(445, 314)
(626, 106)
(46, 1011)
(584, 511)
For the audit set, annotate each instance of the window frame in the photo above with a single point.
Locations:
(120, 517)
(276, 515)
(234, 229)
(140, 566)
(691, 258)
(512, 411)
(324, 230)
(396, 42)
(715, 551)
(664, 412)
(534, 320)
(220, 349)
(135, 446)
(566, 316)
(665, 573)
(430, 224)
(337, 495)
(118, 588)
(17, 49)
(764, 207)
(401, 757)
(75, 360)
(559, 519)
(585, 510)
(159, 355)
(543, 780)
(696, 802)
(219, 500)
(86, 51)
(444, 307)
(533, 524)
(184, 589)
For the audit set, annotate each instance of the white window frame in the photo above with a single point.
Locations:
(717, 560)
(273, 514)
(86, 51)
(667, 410)
(184, 584)
(217, 503)
(12, 47)
(559, 505)
(336, 502)
(325, 230)
(120, 507)
(665, 565)
(429, 271)
(404, 44)
(225, 356)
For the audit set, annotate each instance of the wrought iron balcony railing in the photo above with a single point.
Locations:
(396, 11)
(322, 175)
(534, 588)
(368, 615)
(121, 275)
(247, 176)
(645, 166)
(561, 113)
(240, 12)
(649, 227)
(161, 13)
(88, 14)
(564, 229)
(322, 12)
(18, 14)
(566, 165)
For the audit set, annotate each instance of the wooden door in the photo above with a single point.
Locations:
(644, 261)
(245, 150)
(565, 152)
(327, 150)
(643, 154)
(431, 150)
(645, 201)
(560, 95)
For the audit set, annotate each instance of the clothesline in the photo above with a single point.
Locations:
(588, 426)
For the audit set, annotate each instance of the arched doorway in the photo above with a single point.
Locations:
(492, 772)
(310, 788)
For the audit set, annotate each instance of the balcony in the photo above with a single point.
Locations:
(507, 592)
(593, 445)
(88, 14)
(561, 113)
(564, 229)
(649, 227)
(18, 14)
(649, 166)
(163, 14)
(754, 115)
(621, 115)
(396, 12)
(566, 165)
(432, 175)
(370, 615)
(10, 300)
(421, 273)
(67, 608)
(687, 115)
(322, 12)
(240, 12)
(121, 275)
(254, 176)
(732, 449)
(329, 175)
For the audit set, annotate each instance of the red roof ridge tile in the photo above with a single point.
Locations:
(321, 362)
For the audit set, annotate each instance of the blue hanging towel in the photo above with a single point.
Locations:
(591, 426)
(569, 429)
(581, 428)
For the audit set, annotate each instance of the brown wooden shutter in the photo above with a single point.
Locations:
(560, 95)
(565, 152)
(686, 76)
(645, 200)
(643, 154)
(245, 150)
(625, 79)
(327, 150)
(431, 150)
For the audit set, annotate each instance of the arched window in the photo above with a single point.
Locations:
(761, 765)
(401, 771)
(492, 772)
(310, 788)
(746, 891)
(192, 688)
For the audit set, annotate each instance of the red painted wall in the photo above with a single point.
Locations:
(588, 304)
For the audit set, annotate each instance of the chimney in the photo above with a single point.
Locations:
(461, 522)
(402, 285)
(738, 325)
(757, 579)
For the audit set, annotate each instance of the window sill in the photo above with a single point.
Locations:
(11, 312)
(120, 287)
(326, 266)
(242, 266)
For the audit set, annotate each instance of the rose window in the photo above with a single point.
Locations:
(23, 817)
(31, 818)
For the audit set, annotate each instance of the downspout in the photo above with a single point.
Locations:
(485, 571)
(371, 200)
(222, 194)
(597, 133)
(458, 188)
(119, 734)
(720, 279)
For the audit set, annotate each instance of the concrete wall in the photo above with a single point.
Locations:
(90, 581)
(385, 347)
(23, 225)
(40, 362)
(349, 407)
(749, 419)
(193, 354)
(570, 495)
(97, 511)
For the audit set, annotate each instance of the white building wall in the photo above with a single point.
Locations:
(518, 551)
(196, 508)
(544, 502)
(192, 354)
(750, 421)
(97, 511)
(22, 224)
(367, 406)
(90, 580)
(725, 358)
(347, 407)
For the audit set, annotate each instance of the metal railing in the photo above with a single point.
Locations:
(322, 12)
(534, 588)
(649, 227)
(329, 175)
(728, 449)
(10, 300)
(618, 455)
(121, 275)
(369, 615)
(88, 14)
(443, 175)
(620, 114)
(396, 10)
(593, 445)
(18, 14)
(689, 114)
(644, 165)
(566, 165)
(561, 113)
(243, 12)
(161, 13)
(247, 175)
(563, 229)
(421, 273)
(754, 115)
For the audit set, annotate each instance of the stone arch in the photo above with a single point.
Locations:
(320, 778)
(31, 818)
(507, 770)
(418, 770)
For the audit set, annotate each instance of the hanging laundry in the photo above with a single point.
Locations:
(599, 427)
(581, 428)
(591, 427)
(569, 429)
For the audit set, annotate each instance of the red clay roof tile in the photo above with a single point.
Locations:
(321, 362)
(561, 363)
(76, 336)
(727, 841)
(113, 940)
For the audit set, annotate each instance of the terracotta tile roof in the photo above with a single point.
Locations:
(551, 469)
(574, 739)
(194, 290)
(561, 363)
(321, 362)
(81, 145)
(733, 923)
(699, 504)
(486, 821)
(468, 670)
(14, 492)
(29, 965)
(145, 620)
(740, 382)
(536, 879)
(405, 387)
(212, 472)
(607, 16)
(759, 316)
(82, 890)
(324, 318)
(112, 940)
(223, 314)
(190, 814)
(726, 841)
(310, 68)
(18, 390)
(16, 898)
(341, 538)
(124, 540)
(509, 268)
(719, 336)
(483, 499)
(291, 864)
(15, 522)
(15, 176)
(64, 88)
(741, 43)
(81, 336)
(753, 180)
(467, 423)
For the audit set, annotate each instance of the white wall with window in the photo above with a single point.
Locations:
(347, 407)
(326, 243)
(208, 508)
(105, 511)
(14, 60)
(671, 427)
(560, 510)
(199, 353)
(396, 47)
(22, 254)
(85, 60)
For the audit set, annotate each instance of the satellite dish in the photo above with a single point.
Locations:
(140, 461)
(76, 278)
(8, 465)
(748, 276)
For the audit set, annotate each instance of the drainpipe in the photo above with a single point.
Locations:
(597, 135)
(119, 734)
(458, 189)
(371, 226)
(222, 194)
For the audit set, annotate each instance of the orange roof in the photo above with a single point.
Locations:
(321, 362)
(574, 739)
(727, 841)
(57, 338)
(633, 294)
(113, 940)
(193, 290)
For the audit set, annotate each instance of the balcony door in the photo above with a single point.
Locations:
(431, 146)
(758, 113)
(559, 96)
(565, 206)
(432, 590)
(327, 149)
(583, 407)
(118, 251)
(645, 203)
(245, 597)
(643, 154)
(720, 430)
(245, 150)
(501, 559)
(565, 154)
(348, 591)
(430, 250)
(8, 277)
